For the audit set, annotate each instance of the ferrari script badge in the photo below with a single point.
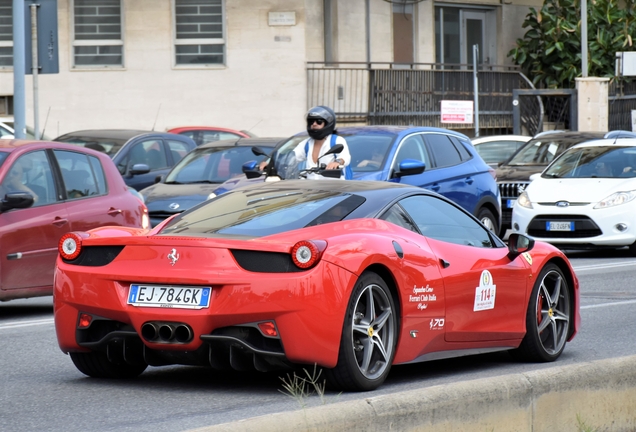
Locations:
(173, 256)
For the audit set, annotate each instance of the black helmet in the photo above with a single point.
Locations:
(321, 113)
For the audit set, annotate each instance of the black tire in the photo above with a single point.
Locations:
(369, 337)
(488, 219)
(548, 318)
(632, 249)
(97, 365)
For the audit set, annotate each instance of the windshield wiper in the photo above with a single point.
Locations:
(552, 175)
(173, 182)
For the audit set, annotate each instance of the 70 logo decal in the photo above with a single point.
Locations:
(437, 324)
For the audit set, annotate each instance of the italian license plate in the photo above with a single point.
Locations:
(511, 203)
(180, 297)
(559, 226)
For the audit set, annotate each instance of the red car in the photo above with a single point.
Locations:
(48, 189)
(353, 276)
(206, 134)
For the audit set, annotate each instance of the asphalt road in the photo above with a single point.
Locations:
(42, 390)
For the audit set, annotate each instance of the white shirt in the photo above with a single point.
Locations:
(301, 155)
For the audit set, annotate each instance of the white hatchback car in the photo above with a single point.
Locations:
(586, 198)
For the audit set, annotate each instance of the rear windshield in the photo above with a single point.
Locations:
(249, 213)
(110, 146)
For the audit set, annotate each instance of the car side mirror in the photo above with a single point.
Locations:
(250, 169)
(16, 200)
(139, 169)
(518, 244)
(409, 167)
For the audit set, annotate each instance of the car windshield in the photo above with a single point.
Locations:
(593, 162)
(213, 164)
(263, 212)
(540, 151)
(368, 153)
(110, 146)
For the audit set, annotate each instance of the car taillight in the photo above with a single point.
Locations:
(306, 253)
(70, 246)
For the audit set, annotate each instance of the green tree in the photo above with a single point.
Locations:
(550, 52)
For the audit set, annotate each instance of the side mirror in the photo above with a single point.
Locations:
(15, 200)
(518, 244)
(250, 169)
(409, 167)
(139, 169)
(259, 152)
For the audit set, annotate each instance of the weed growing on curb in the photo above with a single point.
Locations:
(300, 388)
(583, 427)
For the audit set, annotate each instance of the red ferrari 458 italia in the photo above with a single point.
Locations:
(352, 276)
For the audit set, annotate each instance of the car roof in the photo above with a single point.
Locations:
(614, 142)
(244, 142)
(122, 134)
(490, 138)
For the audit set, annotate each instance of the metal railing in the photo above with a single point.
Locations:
(410, 94)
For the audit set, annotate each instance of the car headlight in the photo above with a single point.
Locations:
(615, 199)
(212, 195)
(524, 200)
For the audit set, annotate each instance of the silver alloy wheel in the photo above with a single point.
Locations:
(373, 331)
(488, 223)
(553, 313)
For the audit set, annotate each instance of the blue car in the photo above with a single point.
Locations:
(140, 156)
(438, 159)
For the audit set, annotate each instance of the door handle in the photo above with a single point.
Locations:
(58, 221)
(444, 263)
(469, 180)
(113, 211)
(434, 187)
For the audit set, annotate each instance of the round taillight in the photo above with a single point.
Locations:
(305, 254)
(70, 246)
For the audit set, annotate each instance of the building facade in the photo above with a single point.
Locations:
(240, 64)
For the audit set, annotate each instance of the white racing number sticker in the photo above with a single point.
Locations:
(485, 293)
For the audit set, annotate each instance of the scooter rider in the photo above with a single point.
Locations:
(321, 124)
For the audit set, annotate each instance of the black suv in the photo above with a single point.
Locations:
(514, 174)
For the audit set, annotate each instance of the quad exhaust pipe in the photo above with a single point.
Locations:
(166, 332)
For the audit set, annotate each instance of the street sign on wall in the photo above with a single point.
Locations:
(458, 111)
(47, 36)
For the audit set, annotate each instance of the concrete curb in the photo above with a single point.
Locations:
(600, 396)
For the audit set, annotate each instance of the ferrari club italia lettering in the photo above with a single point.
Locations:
(422, 295)
(485, 293)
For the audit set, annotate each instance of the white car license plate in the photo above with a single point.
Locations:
(181, 297)
(511, 203)
(559, 226)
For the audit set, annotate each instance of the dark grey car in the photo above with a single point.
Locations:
(195, 177)
(140, 156)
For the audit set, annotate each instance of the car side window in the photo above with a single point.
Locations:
(31, 173)
(178, 150)
(83, 175)
(460, 145)
(149, 152)
(443, 150)
(398, 216)
(411, 147)
(437, 219)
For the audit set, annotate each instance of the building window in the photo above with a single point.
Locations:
(199, 32)
(6, 34)
(97, 29)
